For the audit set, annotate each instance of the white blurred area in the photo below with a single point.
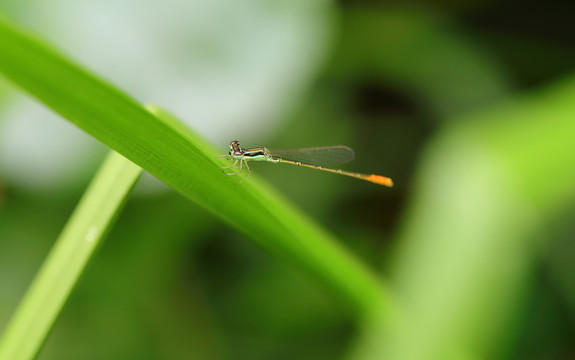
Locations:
(227, 68)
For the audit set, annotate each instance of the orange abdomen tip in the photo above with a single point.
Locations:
(380, 180)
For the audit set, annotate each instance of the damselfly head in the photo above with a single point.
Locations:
(235, 148)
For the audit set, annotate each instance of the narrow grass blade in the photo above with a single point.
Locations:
(161, 145)
(54, 282)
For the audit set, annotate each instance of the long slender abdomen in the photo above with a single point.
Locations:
(376, 179)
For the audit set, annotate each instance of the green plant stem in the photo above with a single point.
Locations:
(54, 282)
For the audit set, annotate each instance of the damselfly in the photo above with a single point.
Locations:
(308, 157)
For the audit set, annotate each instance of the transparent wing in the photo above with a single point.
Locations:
(317, 155)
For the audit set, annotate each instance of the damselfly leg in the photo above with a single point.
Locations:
(249, 171)
(231, 166)
(243, 163)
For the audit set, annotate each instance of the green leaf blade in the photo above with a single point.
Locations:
(161, 145)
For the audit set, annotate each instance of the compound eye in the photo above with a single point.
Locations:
(234, 143)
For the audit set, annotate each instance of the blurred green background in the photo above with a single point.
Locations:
(469, 106)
